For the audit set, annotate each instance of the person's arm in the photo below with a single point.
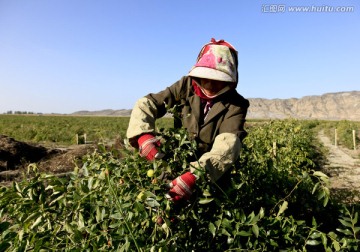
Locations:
(226, 147)
(142, 119)
(153, 106)
(223, 154)
(216, 162)
(220, 158)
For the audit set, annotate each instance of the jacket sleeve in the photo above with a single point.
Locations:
(151, 107)
(223, 154)
(227, 145)
(142, 119)
(235, 119)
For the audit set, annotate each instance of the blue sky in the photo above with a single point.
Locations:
(62, 56)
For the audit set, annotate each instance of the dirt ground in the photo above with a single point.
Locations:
(343, 168)
(15, 156)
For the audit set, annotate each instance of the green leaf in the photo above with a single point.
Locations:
(243, 233)
(144, 195)
(152, 202)
(253, 219)
(85, 171)
(226, 223)
(125, 247)
(225, 232)
(315, 187)
(206, 193)
(204, 201)
(141, 196)
(17, 187)
(69, 228)
(166, 228)
(57, 199)
(81, 221)
(116, 216)
(314, 223)
(21, 234)
(283, 207)
(336, 245)
(37, 222)
(255, 230)
(115, 225)
(261, 213)
(321, 195)
(98, 214)
(102, 175)
(345, 231)
(139, 207)
(313, 242)
(212, 229)
(273, 243)
(345, 223)
(355, 219)
(332, 235)
(315, 235)
(320, 174)
(90, 182)
(326, 200)
(32, 216)
(324, 239)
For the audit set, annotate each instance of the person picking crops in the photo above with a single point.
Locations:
(212, 111)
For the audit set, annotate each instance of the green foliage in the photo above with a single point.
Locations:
(277, 157)
(273, 199)
(344, 132)
(63, 129)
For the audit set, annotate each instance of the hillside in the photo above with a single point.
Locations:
(330, 106)
(105, 112)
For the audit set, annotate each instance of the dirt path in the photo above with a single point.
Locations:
(343, 169)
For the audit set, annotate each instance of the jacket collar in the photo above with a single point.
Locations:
(195, 103)
(216, 109)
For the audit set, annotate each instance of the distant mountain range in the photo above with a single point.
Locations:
(105, 112)
(330, 106)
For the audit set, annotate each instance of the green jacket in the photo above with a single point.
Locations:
(219, 136)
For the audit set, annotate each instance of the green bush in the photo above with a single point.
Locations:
(344, 130)
(274, 199)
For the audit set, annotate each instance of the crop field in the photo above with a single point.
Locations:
(62, 130)
(276, 197)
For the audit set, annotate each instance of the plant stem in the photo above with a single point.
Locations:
(118, 205)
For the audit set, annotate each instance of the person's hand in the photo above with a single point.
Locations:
(182, 187)
(147, 147)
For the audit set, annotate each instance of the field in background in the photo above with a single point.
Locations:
(62, 130)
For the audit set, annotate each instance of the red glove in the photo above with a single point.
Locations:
(147, 146)
(182, 187)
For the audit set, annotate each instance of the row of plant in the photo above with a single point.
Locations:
(61, 129)
(274, 198)
(344, 130)
(64, 130)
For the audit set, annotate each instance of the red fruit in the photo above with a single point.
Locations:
(160, 220)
